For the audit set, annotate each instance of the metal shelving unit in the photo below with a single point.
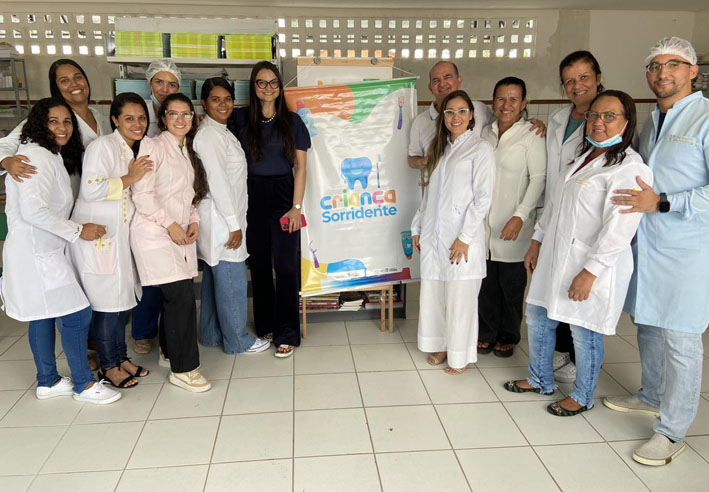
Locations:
(13, 62)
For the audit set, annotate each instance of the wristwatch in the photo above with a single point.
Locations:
(297, 206)
(664, 205)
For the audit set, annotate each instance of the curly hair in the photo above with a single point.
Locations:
(36, 130)
(201, 188)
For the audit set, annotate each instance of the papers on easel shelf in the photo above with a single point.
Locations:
(351, 301)
(372, 299)
(8, 51)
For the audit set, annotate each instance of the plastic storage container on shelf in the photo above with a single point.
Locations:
(133, 43)
(249, 46)
(194, 45)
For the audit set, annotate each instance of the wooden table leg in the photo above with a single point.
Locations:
(391, 309)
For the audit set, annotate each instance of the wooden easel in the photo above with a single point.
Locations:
(385, 294)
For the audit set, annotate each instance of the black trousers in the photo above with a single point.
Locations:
(269, 247)
(178, 325)
(500, 302)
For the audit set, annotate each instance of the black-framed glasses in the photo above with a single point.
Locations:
(670, 66)
(175, 115)
(606, 116)
(273, 84)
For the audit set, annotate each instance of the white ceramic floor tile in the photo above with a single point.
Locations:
(607, 386)
(100, 481)
(11, 328)
(573, 468)
(700, 426)
(217, 364)
(498, 376)
(16, 484)
(383, 357)
(430, 470)
(258, 395)
(175, 442)
(17, 374)
(29, 411)
(6, 343)
(21, 349)
(479, 425)
(519, 359)
(325, 333)
(252, 476)
(357, 473)
(260, 436)
(415, 428)
(700, 444)
(618, 350)
(263, 364)
(468, 387)
(7, 399)
(323, 360)
(628, 375)
(174, 402)
(687, 472)
(412, 309)
(421, 359)
(625, 326)
(369, 331)
(408, 329)
(77, 450)
(618, 426)
(705, 378)
(392, 388)
(330, 432)
(541, 428)
(489, 470)
(631, 339)
(172, 479)
(30, 448)
(327, 391)
(135, 405)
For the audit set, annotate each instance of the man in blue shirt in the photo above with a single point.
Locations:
(668, 297)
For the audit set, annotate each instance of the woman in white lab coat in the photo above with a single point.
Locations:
(580, 76)
(38, 283)
(105, 266)
(580, 254)
(221, 244)
(449, 233)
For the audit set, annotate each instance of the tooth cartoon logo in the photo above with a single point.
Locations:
(356, 169)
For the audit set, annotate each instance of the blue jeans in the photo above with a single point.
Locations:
(223, 310)
(108, 330)
(542, 340)
(75, 330)
(144, 323)
(671, 377)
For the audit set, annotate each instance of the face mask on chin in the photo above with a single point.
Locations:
(609, 142)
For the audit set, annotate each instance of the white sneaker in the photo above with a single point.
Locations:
(191, 381)
(63, 388)
(561, 359)
(566, 374)
(259, 345)
(99, 393)
(163, 361)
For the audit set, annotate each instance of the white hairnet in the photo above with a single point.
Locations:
(673, 46)
(163, 65)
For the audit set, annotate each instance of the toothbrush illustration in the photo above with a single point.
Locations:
(315, 258)
(401, 113)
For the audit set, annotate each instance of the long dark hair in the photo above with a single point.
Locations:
(512, 81)
(283, 121)
(53, 87)
(616, 154)
(117, 108)
(37, 130)
(200, 176)
(584, 56)
(440, 141)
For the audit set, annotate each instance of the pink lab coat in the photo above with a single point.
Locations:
(162, 197)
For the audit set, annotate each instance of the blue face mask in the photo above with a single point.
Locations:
(609, 142)
(155, 101)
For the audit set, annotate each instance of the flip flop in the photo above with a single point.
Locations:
(122, 384)
(505, 353)
(485, 350)
(289, 351)
(453, 371)
(434, 361)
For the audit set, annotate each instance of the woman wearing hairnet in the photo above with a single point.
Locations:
(164, 78)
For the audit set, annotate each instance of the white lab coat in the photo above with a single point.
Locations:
(105, 266)
(224, 209)
(454, 206)
(580, 229)
(38, 279)
(560, 153)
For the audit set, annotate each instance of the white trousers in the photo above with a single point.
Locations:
(448, 320)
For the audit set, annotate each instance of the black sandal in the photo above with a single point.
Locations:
(138, 371)
(122, 384)
(559, 411)
(505, 353)
(486, 350)
(515, 388)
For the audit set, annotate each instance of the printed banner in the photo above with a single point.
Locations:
(360, 195)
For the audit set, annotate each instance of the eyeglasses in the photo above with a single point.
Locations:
(175, 115)
(262, 84)
(449, 113)
(606, 117)
(670, 66)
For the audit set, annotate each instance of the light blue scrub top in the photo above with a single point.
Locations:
(670, 284)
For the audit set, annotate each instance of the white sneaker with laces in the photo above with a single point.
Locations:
(64, 387)
(561, 359)
(259, 345)
(99, 393)
(566, 373)
(191, 381)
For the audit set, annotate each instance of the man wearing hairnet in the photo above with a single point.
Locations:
(668, 297)
(164, 78)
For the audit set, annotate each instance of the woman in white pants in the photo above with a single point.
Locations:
(449, 233)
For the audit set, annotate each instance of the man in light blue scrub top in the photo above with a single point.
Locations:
(668, 297)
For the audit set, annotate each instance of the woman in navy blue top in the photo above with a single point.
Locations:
(275, 141)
